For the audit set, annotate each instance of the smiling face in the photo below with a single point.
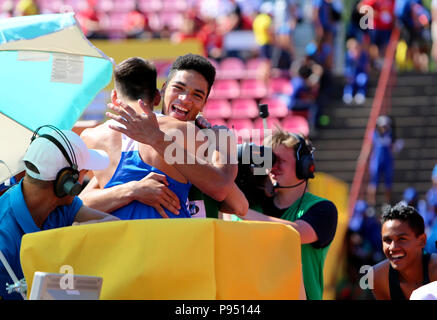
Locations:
(184, 95)
(401, 245)
(284, 170)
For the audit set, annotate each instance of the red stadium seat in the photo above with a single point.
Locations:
(225, 89)
(173, 20)
(75, 4)
(116, 21)
(217, 122)
(297, 124)
(217, 109)
(242, 128)
(105, 5)
(150, 5)
(174, 5)
(277, 107)
(244, 109)
(214, 63)
(124, 5)
(252, 67)
(253, 88)
(258, 125)
(231, 68)
(280, 86)
(271, 123)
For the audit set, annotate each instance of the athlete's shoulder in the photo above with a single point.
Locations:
(381, 289)
(101, 136)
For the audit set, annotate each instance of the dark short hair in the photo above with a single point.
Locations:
(406, 214)
(135, 78)
(194, 62)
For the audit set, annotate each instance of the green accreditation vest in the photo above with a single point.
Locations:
(313, 259)
(202, 205)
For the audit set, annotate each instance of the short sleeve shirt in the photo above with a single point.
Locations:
(16, 221)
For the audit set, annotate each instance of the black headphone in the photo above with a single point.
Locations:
(66, 182)
(305, 166)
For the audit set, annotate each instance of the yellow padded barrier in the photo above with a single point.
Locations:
(173, 259)
(329, 187)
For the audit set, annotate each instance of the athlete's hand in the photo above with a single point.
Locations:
(143, 128)
(153, 190)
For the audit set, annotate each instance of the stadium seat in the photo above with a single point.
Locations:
(242, 128)
(253, 88)
(252, 66)
(46, 6)
(258, 126)
(297, 124)
(116, 21)
(277, 107)
(105, 5)
(148, 6)
(231, 68)
(173, 20)
(280, 86)
(271, 123)
(217, 122)
(217, 109)
(124, 5)
(174, 5)
(244, 109)
(75, 4)
(225, 89)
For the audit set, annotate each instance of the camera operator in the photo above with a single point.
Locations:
(313, 217)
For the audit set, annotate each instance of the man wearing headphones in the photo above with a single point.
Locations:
(45, 198)
(313, 217)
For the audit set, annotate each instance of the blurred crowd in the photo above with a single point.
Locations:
(368, 26)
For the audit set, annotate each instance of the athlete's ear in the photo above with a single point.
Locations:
(114, 96)
(157, 98)
(164, 86)
(422, 240)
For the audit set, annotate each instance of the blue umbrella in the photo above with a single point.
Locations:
(49, 73)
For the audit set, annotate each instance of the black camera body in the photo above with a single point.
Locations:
(250, 158)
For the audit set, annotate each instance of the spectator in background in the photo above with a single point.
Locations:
(431, 200)
(188, 29)
(366, 225)
(282, 54)
(285, 18)
(236, 19)
(431, 242)
(381, 160)
(319, 58)
(7, 9)
(411, 198)
(434, 29)
(383, 12)
(136, 24)
(26, 8)
(305, 90)
(353, 29)
(211, 38)
(415, 20)
(326, 15)
(356, 72)
(264, 33)
(89, 21)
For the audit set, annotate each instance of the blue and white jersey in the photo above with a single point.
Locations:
(132, 168)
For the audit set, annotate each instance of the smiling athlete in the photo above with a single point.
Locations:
(407, 266)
